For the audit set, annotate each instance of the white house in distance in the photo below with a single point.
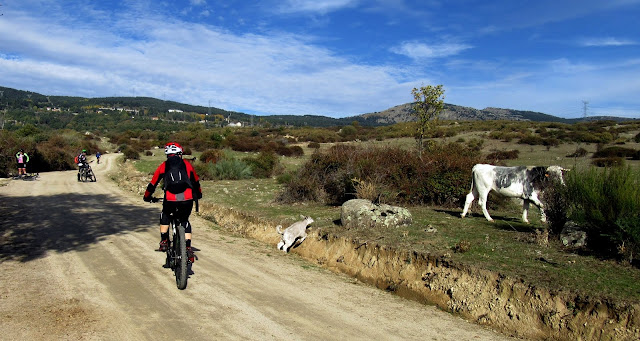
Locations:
(175, 110)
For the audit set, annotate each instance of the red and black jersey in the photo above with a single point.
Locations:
(195, 192)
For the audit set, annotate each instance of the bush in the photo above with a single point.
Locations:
(608, 203)
(611, 152)
(532, 140)
(503, 155)
(313, 145)
(441, 177)
(556, 205)
(131, 154)
(580, 152)
(211, 155)
(608, 162)
(264, 165)
(230, 169)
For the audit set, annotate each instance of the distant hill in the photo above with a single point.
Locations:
(13, 98)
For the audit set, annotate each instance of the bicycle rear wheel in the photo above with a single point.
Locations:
(180, 253)
(83, 175)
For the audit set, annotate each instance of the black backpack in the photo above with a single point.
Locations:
(176, 179)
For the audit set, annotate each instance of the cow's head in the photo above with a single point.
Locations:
(556, 172)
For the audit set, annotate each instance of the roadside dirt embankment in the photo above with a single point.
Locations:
(502, 303)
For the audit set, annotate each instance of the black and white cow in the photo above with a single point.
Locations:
(516, 182)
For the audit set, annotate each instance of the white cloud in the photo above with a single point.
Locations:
(315, 6)
(609, 41)
(415, 50)
(191, 63)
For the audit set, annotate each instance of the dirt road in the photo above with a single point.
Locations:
(77, 262)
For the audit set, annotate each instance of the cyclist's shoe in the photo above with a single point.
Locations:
(164, 246)
(191, 255)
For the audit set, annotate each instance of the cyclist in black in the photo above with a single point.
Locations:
(81, 160)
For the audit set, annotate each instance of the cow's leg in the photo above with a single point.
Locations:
(482, 200)
(525, 210)
(468, 201)
(473, 194)
(537, 202)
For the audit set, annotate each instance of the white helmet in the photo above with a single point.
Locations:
(172, 148)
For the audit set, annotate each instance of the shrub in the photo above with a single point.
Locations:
(532, 140)
(131, 154)
(314, 145)
(230, 169)
(556, 205)
(211, 155)
(580, 152)
(203, 171)
(296, 151)
(264, 165)
(607, 202)
(148, 153)
(441, 177)
(637, 138)
(615, 151)
(503, 155)
(284, 178)
(608, 162)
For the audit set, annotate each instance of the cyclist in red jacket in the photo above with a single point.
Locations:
(182, 187)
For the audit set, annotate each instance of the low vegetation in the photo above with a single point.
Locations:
(279, 172)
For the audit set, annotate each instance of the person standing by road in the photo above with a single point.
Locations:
(22, 158)
(98, 155)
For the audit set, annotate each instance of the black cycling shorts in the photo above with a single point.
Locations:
(22, 165)
(180, 209)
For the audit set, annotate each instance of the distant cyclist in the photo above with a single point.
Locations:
(81, 161)
(98, 155)
(182, 187)
(22, 158)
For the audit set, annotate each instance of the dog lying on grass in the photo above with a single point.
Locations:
(294, 234)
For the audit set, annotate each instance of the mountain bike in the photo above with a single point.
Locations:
(86, 174)
(177, 259)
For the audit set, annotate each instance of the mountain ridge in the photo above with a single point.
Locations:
(397, 114)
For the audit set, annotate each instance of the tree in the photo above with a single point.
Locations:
(429, 103)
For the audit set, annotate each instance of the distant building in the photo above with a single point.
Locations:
(175, 110)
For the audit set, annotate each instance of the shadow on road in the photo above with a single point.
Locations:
(32, 226)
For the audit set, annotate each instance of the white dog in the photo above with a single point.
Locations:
(297, 232)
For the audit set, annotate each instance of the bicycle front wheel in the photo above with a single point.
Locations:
(181, 266)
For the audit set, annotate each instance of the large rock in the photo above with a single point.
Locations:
(573, 236)
(363, 213)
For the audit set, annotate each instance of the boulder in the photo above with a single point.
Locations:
(573, 236)
(363, 213)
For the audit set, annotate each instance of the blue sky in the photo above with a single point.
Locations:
(334, 58)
